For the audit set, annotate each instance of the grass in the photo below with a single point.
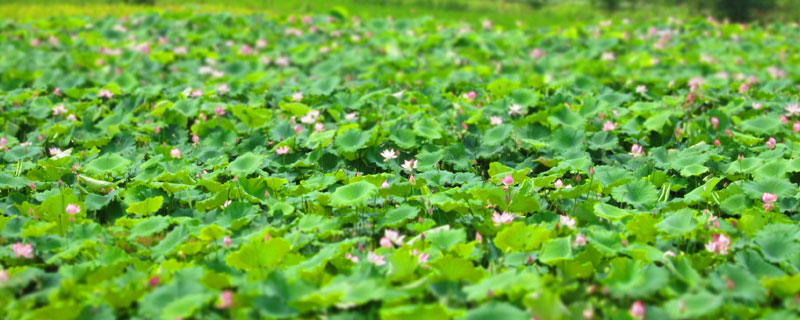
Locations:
(506, 13)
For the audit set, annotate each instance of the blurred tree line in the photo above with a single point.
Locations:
(735, 10)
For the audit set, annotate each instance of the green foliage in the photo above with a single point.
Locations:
(331, 167)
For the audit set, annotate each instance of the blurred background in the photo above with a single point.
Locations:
(501, 12)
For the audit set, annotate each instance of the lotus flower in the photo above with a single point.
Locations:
(424, 257)
(195, 139)
(609, 126)
(636, 151)
(4, 276)
(353, 258)
(715, 122)
(495, 120)
(757, 105)
(502, 218)
(515, 109)
(641, 89)
(769, 199)
(478, 237)
(197, 93)
(719, 244)
(537, 53)
(73, 208)
(385, 184)
(409, 165)
(389, 154)
(580, 240)
(391, 237)
(771, 143)
(638, 310)
(508, 180)
(23, 250)
(793, 109)
(282, 150)
(226, 299)
(220, 111)
(227, 241)
(105, 94)
(59, 109)
(175, 153)
(376, 259)
(567, 221)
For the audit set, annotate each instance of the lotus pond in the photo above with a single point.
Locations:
(215, 166)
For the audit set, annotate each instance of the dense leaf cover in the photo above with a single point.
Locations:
(209, 166)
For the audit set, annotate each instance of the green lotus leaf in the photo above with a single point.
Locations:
(354, 194)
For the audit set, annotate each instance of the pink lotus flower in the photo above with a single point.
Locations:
(153, 282)
(352, 116)
(411, 179)
(223, 89)
(59, 109)
(508, 180)
(220, 111)
(695, 83)
(180, 50)
(282, 61)
(638, 310)
(580, 240)
(4, 276)
(641, 89)
(636, 151)
(267, 237)
(424, 257)
(57, 92)
(105, 94)
(282, 150)
(353, 258)
(567, 221)
(771, 143)
(298, 129)
(385, 184)
(502, 218)
(197, 93)
(376, 259)
(195, 138)
(246, 50)
(227, 241)
(261, 43)
(769, 199)
(537, 53)
(389, 154)
(73, 208)
(793, 109)
(558, 184)
(717, 143)
(588, 313)
(478, 237)
(470, 95)
(719, 244)
(609, 126)
(669, 253)
(23, 250)
(297, 96)
(175, 153)
(391, 237)
(495, 120)
(72, 117)
(515, 109)
(226, 299)
(715, 122)
(608, 56)
(796, 127)
(409, 165)
(744, 87)
(757, 105)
